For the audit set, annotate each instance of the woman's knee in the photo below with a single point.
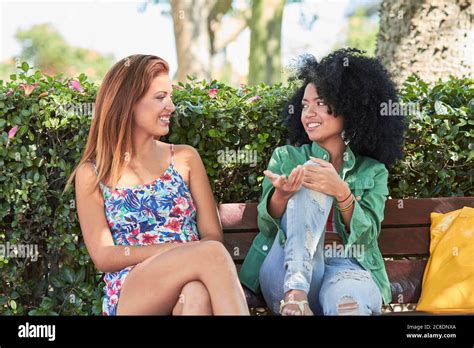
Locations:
(308, 195)
(194, 298)
(216, 255)
(195, 288)
(347, 296)
(214, 248)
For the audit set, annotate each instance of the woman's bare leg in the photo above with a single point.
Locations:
(154, 285)
(193, 300)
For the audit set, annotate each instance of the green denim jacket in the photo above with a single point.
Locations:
(367, 179)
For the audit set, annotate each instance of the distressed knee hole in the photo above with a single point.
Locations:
(310, 242)
(347, 306)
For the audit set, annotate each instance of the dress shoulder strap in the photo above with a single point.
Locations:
(95, 167)
(172, 154)
(96, 172)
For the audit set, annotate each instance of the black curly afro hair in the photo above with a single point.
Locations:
(354, 87)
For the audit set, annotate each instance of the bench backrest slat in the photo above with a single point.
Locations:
(412, 212)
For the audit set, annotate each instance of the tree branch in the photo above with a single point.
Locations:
(222, 42)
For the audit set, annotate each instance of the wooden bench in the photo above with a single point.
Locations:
(404, 242)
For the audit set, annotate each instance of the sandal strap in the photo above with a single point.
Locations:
(300, 304)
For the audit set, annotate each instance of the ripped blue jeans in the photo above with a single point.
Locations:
(335, 285)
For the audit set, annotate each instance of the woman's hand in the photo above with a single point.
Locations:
(325, 179)
(286, 187)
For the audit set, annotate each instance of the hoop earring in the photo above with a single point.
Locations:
(343, 136)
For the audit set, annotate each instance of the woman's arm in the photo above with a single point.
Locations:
(284, 189)
(208, 222)
(277, 204)
(106, 256)
(344, 197)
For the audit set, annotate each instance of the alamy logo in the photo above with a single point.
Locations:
(19, 251)
(33, 331)
(239, 156)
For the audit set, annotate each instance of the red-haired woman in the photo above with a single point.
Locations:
(146, 209)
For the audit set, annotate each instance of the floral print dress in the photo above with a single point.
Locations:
(160, 212)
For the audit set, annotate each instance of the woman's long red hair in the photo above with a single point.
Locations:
(110, 134)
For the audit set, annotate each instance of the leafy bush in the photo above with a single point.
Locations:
(439, 149)
(234, 130)
(50, 134)
(51, 117)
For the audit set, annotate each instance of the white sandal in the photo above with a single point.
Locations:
(299, 303)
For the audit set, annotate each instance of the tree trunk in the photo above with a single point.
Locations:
(193, 43)
(265, 41)
(429, 38)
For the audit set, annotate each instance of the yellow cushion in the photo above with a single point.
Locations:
(448, 281)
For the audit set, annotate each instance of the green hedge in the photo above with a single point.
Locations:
(35, 163)
(439, 148)
(53, 120)
(234, 130)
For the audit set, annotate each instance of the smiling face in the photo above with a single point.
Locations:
(153, 111)
(318, 123)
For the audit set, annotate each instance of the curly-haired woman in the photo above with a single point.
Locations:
(324, 195)
(146, 208)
